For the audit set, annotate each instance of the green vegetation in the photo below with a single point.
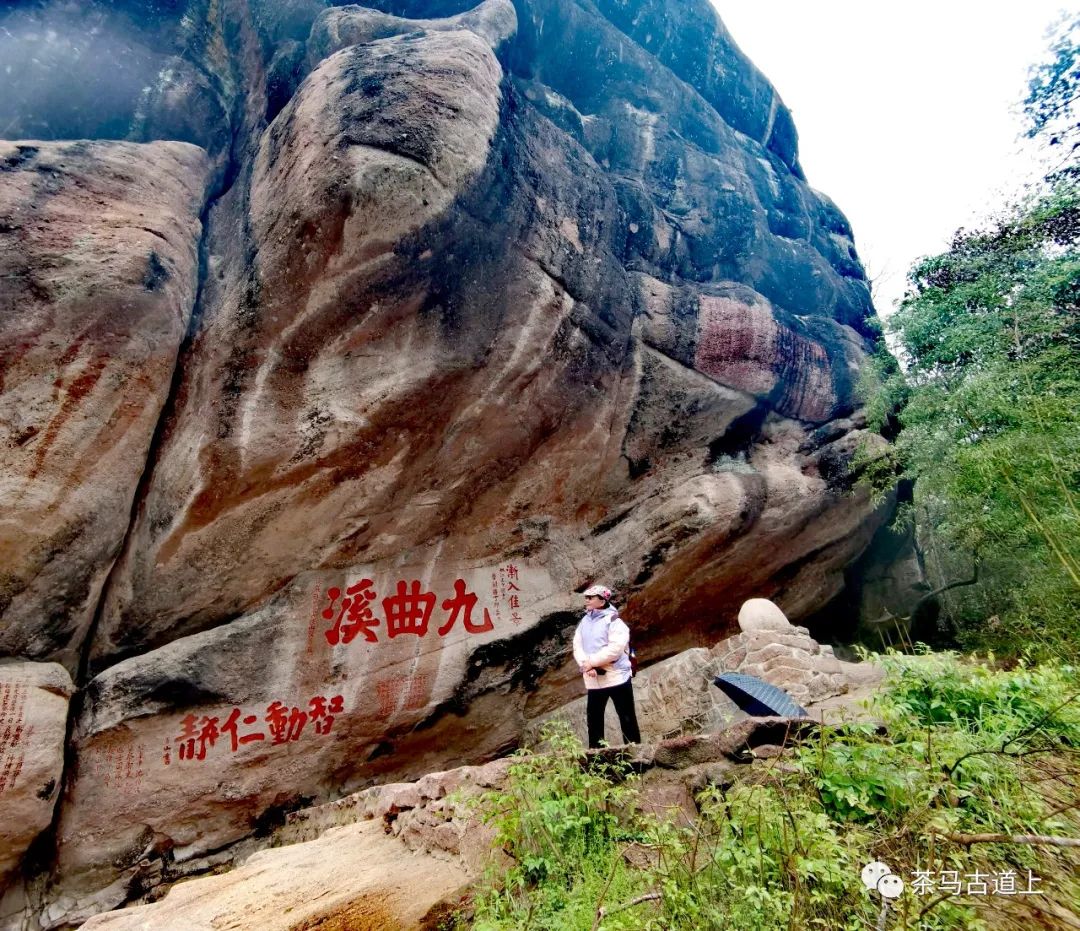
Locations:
(966, 749)
(1050, 105)
(989, 414)
(986, 407)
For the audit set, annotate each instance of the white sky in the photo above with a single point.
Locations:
(907, 111)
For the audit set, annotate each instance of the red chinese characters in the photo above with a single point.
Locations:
(280, 724)
(402, 694)
(232, 728)
(196, 736)
(322, 715)
(13, 730)
(355, 615)
(408, 610)
(464, 600)
(506, 588)
(119, 768)
(285, 724)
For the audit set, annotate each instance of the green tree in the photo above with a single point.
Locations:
(1050, 106)
(988, 402)
(987, 397)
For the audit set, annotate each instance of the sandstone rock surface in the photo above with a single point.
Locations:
(98, 272)
(357, 875)
(222, 738)
(339, 27)
(33, 726)
(378, 143)
(484, 305)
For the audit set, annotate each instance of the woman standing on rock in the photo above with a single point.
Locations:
(602, 652)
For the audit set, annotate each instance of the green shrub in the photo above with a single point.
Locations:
(965, 748)
(988, 410)
(560, 820)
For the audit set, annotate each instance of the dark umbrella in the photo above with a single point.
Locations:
(756, 697)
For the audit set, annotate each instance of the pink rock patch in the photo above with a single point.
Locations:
(743, 345)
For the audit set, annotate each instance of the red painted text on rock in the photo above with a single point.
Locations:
(278, 724)
(410, 608)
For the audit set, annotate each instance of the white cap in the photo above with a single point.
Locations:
(602, 590)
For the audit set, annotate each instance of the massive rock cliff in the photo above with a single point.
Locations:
(353, 344)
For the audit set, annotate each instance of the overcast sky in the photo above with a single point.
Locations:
(907, 112)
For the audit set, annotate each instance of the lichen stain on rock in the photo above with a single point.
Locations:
(373, 912)
(744, 346)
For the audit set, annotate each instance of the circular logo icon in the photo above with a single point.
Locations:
(890, 886)
(873, 872)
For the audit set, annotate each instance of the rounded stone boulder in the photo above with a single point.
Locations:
(762, 614)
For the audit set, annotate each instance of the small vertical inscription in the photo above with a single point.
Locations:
(13, 733)
(405, 694)
(120, 766)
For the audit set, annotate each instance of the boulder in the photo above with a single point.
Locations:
(482, 307)
(773, 649)
(761, 614)
(362, 218)
(33, 725)
(354, 877)
(735, 743)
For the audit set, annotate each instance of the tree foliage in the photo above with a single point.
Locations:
(989, 408)
(1050, 105)
(987, 402)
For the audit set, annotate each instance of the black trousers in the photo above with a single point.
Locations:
(596, 705)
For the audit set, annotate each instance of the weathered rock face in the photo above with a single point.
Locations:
(186, 70)
(98, 273)
(495, 21)
(305, 403)
(33, 724)
(491, 303)
(267, 707)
